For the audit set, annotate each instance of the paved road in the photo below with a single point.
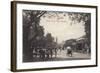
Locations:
(62, 54)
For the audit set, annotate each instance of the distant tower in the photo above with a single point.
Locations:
(56, 40)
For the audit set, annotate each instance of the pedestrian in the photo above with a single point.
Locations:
(55, 52)
(42, 54)
(51, 52)
(34, 53)
(47, 53)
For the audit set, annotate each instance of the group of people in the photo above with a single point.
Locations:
(46, 53)
(50, 53)
(42, 53)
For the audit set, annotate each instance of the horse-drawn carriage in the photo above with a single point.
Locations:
(69, 51)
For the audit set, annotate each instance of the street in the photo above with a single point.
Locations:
(62, 56)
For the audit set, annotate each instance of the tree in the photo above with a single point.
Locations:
(31, 30)
(49, 40)
(86, 18)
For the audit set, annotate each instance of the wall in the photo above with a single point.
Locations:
(5, 37)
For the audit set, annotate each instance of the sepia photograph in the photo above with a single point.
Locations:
(56, 36)
(47, 36)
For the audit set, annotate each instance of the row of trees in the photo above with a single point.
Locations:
(86, 18)
(33, 33)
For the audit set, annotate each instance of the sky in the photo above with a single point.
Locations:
(62, 27)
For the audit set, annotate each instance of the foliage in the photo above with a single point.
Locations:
(33, 32)
(86, 18)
